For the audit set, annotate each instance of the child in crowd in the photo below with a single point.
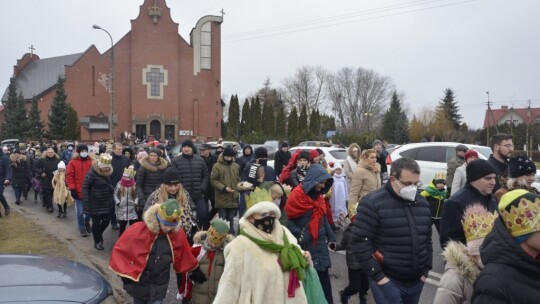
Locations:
(338, 200)
(435, 193)
(302, 165)
(61, 194)
(126, 200)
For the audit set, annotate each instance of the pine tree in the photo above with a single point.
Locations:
(314, 124)
(391, 118)
(281, 124)
(402, 130)
(292, 125)
(268, 120)
(303, 120)
(233, 125)
(449, 108)
(34, 126)
(245, 125)
(11, 127)
(256, 115)
(57, 116)
(73, 127)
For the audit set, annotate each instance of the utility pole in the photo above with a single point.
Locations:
(489, 110)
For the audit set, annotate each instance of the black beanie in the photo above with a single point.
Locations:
(171, 176)
(304, 155)
(229, 151)
(520, 165)
(478, 169)
(81, 147)
(188, 143)
(261, 152)
(284, 144)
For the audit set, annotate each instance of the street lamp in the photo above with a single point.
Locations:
(111, 84)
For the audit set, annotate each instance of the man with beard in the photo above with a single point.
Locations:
(194, 177)
(502, 146)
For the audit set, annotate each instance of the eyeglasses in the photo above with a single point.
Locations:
(508, 146)
(417, 184)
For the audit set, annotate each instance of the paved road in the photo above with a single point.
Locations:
(66, 229)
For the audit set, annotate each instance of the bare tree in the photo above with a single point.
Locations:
(306, 87)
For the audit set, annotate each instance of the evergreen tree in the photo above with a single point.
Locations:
(292, 125)
(73, 127)
(268, 120)
(314, 124)
(402, 130)
(391, 118)
(303, 120)
(58, 114)
(34, 126)
(223, 128)
(256, 115)
(245, 125)
(233, 124)
(448, 107)
(20, 117)
(11, 127)
(280, 124)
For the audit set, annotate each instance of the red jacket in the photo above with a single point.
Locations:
(75, 172)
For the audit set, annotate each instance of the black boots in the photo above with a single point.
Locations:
(99, 246)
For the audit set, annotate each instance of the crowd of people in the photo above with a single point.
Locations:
(222, 221)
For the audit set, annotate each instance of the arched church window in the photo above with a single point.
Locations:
(206, 46)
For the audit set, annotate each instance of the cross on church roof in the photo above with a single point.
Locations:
(32, 48)
(222, 13)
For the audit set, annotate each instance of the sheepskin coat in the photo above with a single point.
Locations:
(61, 194)
(456, 285)
(365, 179)
(349, 165)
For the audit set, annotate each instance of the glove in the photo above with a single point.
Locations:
(74, 194)
(197, 276)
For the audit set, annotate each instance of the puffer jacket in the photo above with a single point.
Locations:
(97, 191)
(460, 272)
(399, 229)
(244, 159)
(76, 171)
(48, 166)
(510, 274)
(21, 171)
(118, 163)
(225, 175)
(149, 176)
(194, 175)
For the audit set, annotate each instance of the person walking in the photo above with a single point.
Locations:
(149, 176)
(5, 179)
(396, 269)
(435, 193)
(521, 175)
(78, 166)
(97, 192)
(119, 163)
(61, 194)
(45, 168)
(126, 199)
(502, 146)
(21, 174)
(350, 163)
(366, 178)
(281, 158)
(460, 176)
(224, 178)
(454, 163)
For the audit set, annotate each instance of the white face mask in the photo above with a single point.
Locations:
(408, 193)
(84, 154)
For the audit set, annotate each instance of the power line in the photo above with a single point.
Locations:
(341, 23)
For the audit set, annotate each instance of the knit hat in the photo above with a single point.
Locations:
(312, 154)
(169, 213)
(81, 147)
(462, 148)
(104, 160)
(520, 212)
(478, 169)
(155, 150)
(217, 232)
(284, 144)
(261, 152)
(205, 147)
(188, 143)
(470, 153)
(520, 165)
(61, 165)
(477, 223)
(376, 142)
(129, 172)
(304, 155)
(229, 151)
(171, 176)
(141, 155)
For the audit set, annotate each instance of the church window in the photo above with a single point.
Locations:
(206, 46)
(155, 78)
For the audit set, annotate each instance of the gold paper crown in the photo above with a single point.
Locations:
(218, 231)
(170, 211)
(105, 159)
(477, 222)
(440, 175)
(524, 214)
(129, 172)
(256, 196)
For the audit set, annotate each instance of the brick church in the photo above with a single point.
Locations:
(162, 85)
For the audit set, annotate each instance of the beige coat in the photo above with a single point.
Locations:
(365, 179)
(349, 165)
(456, 285)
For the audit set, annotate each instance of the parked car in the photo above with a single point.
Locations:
(10, 143)
(315, 143)
(45, 279)
(332, 154)
(432, 156)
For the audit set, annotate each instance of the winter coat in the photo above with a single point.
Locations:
(345, 244)
(125, 199)
(149, 176)
(399, 229)
(510, 274)
(349, 165)
(118, 163)
(251, 274)
(48, 166)
(225, 175)
(454, 208)
(281, 159)
(501, 169)
(460, 179)
(193, 174)
(66, 156)
(145, 268)
(210, 161)
(451, 167)
(97, 191)
(460, 272)
(76, 171)
(365, 179)
(436, 199)
(299, 226)
(297, 176)
(243, 160)
(61, 194)
(5, 168)
(269, 173)
(21, 171)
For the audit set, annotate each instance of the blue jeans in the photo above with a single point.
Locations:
(18, 192)
(394, 292)
(82, 218)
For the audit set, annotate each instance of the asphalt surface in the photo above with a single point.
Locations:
(82, 247)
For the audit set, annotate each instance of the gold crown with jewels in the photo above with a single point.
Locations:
(520, 211)
(477, 222)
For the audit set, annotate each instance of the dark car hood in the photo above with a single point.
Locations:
(43, 279)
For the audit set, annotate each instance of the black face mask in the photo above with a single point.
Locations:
(265, 224)
(263, 162)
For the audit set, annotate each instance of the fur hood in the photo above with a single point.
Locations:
(457, 258)
(145, 163)
(200, 236)
(351, 147)
(95, 167)
(14, 159)
(151, 221)
(375, 169)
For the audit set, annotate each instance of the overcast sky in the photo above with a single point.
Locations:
(424, 46)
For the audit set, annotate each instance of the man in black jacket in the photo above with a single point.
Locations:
(206, 153)
(478, 189)
(194, 177)
(44, 169)
(282, 157)
(392, 236)
(119, 163)
(5, 178)
(502, 146)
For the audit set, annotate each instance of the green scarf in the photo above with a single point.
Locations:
(435, 192)
(290, 257)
